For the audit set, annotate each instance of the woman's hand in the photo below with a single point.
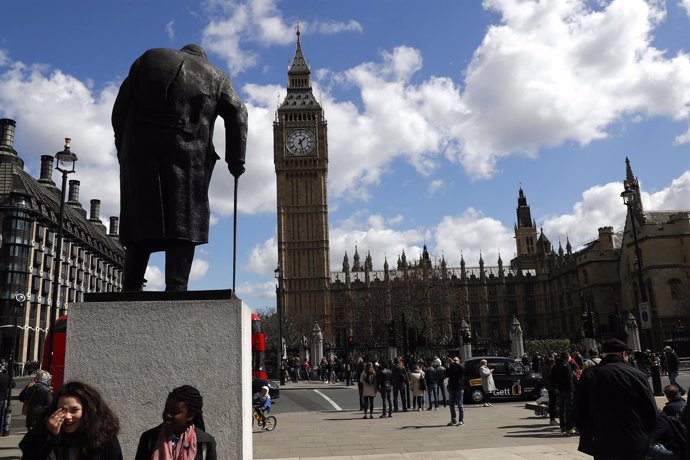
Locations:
(54, 422)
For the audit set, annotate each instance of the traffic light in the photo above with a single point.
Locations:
(349, 341)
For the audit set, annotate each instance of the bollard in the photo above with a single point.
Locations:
(656, 380)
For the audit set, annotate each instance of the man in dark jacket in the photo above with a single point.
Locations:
(563, 388)
(673, 363)
(675, 403)
(163, 119)
(385, 384)
(614, 407)
(441, 378)
(455, 374)
(400, 379)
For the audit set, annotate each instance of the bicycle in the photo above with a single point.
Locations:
(270, 424)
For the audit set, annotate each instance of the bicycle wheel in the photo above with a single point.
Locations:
(271, 423)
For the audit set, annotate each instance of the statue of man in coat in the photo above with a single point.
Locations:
(163, 119)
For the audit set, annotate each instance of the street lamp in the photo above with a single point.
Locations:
(19, 300)
(629, 197)
(65, 164)
(279, 306)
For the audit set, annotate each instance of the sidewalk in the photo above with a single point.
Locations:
(504, 431)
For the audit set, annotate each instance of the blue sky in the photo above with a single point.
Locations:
(436, 114)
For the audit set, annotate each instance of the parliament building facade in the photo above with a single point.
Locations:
(547, 289)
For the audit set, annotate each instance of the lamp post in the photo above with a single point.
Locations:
(19, 300)
(65, 164)
(279, 306)
(629, 200)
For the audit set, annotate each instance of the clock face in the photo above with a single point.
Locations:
(300, 142)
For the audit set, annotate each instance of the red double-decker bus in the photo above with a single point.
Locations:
(258, 349)
(58, 334)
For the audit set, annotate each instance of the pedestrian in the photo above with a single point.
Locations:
(369, 386)
(685, 419)
(675, 403)
(563, 380)
(78, 424)
(163, 120)
(614, 407)
(347, 369)
(182, 434)
(36, 396)
(385, 383)
(432, 384)
(456, 373)
(593, 360)
(441, 379)
(673, 363)
(4, 391)
(548, 384)
(667, 440)
(400, 379)
(306, 368)
(359, 369)
(418, 386)
(488, 384)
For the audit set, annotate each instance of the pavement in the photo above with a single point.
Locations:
(504, 431)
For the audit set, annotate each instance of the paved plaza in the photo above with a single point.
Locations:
(504, 431)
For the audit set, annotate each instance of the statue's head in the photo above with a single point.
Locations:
(194, 49)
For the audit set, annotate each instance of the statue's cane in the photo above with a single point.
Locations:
(234, 237)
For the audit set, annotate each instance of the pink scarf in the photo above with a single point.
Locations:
(184, 449)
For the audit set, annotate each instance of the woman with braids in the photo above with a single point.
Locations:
(181, 435)
(78, 424)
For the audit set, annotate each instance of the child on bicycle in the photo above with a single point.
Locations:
(262, 404)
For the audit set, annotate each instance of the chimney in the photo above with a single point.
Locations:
(606, 238)
(74, 193)
(114, 221)
(46, 170)
(7, 152)
(95, 211)
(7, 135)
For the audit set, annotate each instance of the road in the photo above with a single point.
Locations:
(316, 396)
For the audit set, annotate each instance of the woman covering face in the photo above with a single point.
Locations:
(78, 424)
(181, 436)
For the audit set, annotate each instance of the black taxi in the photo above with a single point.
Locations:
(512, 379)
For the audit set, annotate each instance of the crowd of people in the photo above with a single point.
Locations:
(77, 423)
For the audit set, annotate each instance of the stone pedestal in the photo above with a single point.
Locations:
(136, 347)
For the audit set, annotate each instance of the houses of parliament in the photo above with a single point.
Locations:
(547, 289)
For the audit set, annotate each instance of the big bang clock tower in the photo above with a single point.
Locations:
(300, 144)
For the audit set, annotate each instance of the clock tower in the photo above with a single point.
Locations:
(300, 155)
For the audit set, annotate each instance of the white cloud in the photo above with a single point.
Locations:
(335, 27)
(263, 258)
(265, 290)
(473, 234)
(57, 105)
(199, 269)
(600, 206)
(676, 196)
(232, 24)
(435, 186)
(170, 30)
(155, 278)
(686, 5)
(557, 71)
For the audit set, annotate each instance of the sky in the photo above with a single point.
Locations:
(437, 115)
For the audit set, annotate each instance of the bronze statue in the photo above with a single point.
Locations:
(163, 119)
